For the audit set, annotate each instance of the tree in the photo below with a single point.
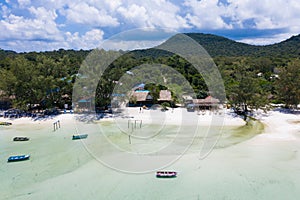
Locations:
(289, 84)
(243, 90)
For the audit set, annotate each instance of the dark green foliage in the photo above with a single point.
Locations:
(165, 106)
(220, 46)
(289, 84)
(39, 78)
(249, 73)
(244, 89)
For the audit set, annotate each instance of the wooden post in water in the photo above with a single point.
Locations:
(56, 125)
(129, 139)
(133, 126)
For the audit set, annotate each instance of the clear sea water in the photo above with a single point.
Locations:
(60, 168)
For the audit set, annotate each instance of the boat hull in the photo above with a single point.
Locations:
(20, 139)
(78, 137)
(5, 123)
(166, 174)
(18, 158)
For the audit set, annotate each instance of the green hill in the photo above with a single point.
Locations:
(221, 46)
(213, 44)
(218, 46)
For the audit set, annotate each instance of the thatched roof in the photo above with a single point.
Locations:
(142, 95)
(207, 101)
(211, 100)
(165, 95)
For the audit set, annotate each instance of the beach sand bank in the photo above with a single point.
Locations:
(263, 166)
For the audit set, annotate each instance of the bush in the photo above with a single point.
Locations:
(165, 106)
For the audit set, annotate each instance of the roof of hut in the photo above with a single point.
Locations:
(165, 95)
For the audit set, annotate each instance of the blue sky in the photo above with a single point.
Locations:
(42, 25)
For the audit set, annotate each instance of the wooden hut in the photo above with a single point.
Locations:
(141, 97)
(209, 103)
(165, 96)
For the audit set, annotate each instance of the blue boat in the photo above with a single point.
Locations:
(18, 158)
(77, 137)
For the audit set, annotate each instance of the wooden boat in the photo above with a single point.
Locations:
(78, 137)
(5, 123)
(21, 139)
(166, 174)
(18, 158)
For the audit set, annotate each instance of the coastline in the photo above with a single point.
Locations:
(170, 117)
(62, 168)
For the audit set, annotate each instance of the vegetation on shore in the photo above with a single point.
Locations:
(254, 76)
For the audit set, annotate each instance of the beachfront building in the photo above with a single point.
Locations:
(141, 98)
(165, 96)
(144, 98)
(188, 99)
(209, 103)
(83, 105)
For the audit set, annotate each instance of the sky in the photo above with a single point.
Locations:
(44, 25)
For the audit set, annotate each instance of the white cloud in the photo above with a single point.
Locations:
(206, 14)
(130, 45)
(90, 40)
(4, 11)
(84, 13)
(279, 14)
(24, 3)
(259, 14)
(41, 27)
(138, 39)
(266, 40)
(136, 14)
(155, 13)
(113, 5)
(50, 24)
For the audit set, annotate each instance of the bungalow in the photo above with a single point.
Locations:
(83, 104)
(141, 97)
(208, 103)
(165, 96)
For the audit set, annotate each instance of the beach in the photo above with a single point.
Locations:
(259, 164)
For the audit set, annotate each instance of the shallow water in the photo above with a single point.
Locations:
(61, 168)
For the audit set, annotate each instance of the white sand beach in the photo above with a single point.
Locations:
(242, 165)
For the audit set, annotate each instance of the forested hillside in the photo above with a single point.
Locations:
(253, 76)
(220, 46)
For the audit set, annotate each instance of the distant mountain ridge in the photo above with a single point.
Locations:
(221, 46)
(216, 46)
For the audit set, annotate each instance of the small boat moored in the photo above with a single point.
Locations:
(5, 123)
(20, 139)
(18, 158)
(77, 137)
(166, 174)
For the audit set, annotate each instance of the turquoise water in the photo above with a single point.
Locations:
(61, 168)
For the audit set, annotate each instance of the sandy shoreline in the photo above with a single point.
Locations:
(263, 167)
(170, 117)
